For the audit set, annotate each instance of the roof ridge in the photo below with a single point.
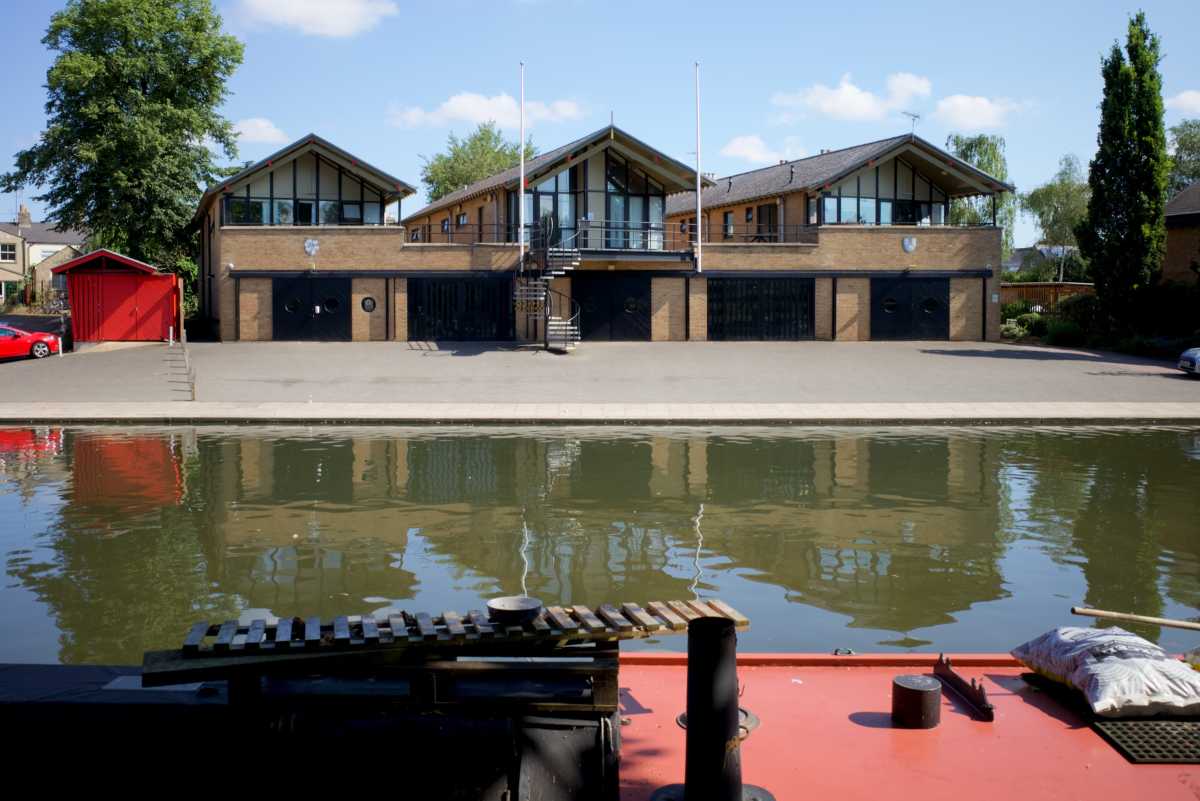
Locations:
(807, 158)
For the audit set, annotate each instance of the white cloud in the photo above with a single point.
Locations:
(334, 18)
(973, 113)
(752, 148)
(476, 108)
(259, 129)
(848, 101)
(1187, 102)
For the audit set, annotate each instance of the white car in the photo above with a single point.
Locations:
(1189, 361)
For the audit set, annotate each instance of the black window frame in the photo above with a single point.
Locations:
(8, 246)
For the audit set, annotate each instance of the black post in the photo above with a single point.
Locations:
(714, 759)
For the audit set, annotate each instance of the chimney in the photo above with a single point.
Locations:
(23, 218)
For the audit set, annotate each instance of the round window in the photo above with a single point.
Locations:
(631, 305)
(889, 305)
(331, 305)
(368, 304)
(292, 306)
(930, 305)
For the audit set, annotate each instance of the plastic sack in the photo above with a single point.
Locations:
(1120, 673)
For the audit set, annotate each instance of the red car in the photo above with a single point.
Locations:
(15, 343)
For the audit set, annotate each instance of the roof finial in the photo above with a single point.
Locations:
(611, 124)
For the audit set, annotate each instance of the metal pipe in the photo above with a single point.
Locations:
(713, 767)
(1166, 622)
(521, 182)
(699, 203)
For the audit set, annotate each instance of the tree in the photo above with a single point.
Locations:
(985, 153)
(1124, 233)
(1185, 156)
(132, 108)
(1059, 206)
(483, 153)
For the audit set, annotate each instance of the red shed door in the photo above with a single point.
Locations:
(155, 304)
(119, 306)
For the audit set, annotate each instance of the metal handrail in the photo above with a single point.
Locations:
(553, 296)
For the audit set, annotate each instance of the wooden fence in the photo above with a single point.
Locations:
(1044, 296)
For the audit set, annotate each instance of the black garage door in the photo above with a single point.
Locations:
(910, 308)
(311, 309)
(760, 308)
(460, 309)
(613, 306)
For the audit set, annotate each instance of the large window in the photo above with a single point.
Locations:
(551, 205)
(310, 191)
(893, 193)
(8, 251)
(634, 204)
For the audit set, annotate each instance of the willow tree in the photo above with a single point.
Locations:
(984, 152)
(131, 114)
(1059, 205)
(1124, 233)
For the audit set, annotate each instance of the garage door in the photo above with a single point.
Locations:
(310, 309)
(760, 308)
(462, 309)
(910, 308)
(612, 306)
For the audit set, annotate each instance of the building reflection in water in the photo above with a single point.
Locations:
(818, 534)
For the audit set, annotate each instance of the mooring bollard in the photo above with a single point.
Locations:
(713, 759)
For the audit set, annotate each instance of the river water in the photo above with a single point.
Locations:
(114, 540)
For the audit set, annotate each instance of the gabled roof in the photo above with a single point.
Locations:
(1186, 202)
(392, 186)
(44, 233)
(543, 163)
(103, 253)
(814, 172)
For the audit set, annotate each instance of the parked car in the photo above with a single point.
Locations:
(15, 343)
(1189, 361)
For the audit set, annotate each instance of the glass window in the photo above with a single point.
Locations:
(885, 212)
(461, 220)
(887, 178)
(653, 188)
(305, 209)
(566, 214)
(371, 214)
(922, 188)
(546, 185)
(329, 212)
(812, 210)
(284, 212)
(564, 180)
(637, 182)
(656, 223)
(727, 225)
(8, 251)
(352, 213)
(616, 216)
(923, 214)
(849, 212)
(415, 236)
(829, 213)
(866, 184)
(637, 239)
(939, 214)
(616, 173)
(446, 226)
(905, 189)
(866, 210)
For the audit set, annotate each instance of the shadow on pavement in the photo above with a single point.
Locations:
(472, 348)
(1043, 355)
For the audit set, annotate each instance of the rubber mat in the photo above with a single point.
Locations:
(1153, 741)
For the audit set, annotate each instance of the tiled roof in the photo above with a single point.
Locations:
(808, 173)
(45, 233)
(1186, 202)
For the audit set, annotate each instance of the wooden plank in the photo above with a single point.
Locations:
(370, 630)
(398, 627)
(256, 634)
(590, 622)
(225, 635)
(283, 632)
(195, 637)
(312, 632)
(425, 626)
(540, 626)
(674, 621)
(483, 627)
(454, 625)
(683, 610)
(341, 630)
(561, 619)
(703, 609)
(641, 617)
(728, 611)
(614, 618)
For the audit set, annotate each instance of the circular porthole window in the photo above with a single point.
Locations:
(889, 305)
(368, 305)
(930, 305)
(631, 305)
(292, 306)
(331, 305)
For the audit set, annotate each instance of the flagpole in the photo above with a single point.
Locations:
(521, 183)
(699, 205)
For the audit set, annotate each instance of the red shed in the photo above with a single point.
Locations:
(114, 297)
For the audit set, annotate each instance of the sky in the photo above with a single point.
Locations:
(389, 80)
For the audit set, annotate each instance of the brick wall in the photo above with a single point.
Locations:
(667, 310)
(368, 326)
(698, 309)
(823, 308)
(254, 310)
(353, 248)
(853, 309)
(966, 309)
(400, 309)
(1183, 246)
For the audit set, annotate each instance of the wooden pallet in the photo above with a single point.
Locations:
(295, 645)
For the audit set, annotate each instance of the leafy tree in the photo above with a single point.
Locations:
(1059, 206)
(132, 107)
(1124, 233)
(984, 152)
(1185, 156)
(485, 152)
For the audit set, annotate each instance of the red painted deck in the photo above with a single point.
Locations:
(826, 734)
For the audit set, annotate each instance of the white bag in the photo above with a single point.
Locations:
(1120, 673)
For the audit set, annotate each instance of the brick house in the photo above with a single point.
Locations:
(851, 245)
(1182, 258)
(27, 250)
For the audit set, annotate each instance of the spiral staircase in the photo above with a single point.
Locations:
(548, 257)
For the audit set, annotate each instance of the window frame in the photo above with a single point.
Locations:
(8, 246)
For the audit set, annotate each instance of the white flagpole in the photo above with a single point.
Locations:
(699, 205)
(521, 184)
